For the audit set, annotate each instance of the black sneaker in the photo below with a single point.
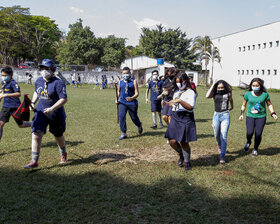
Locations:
(181, 161)
(255, 153)
(140, 129)
(188, 166)
(154, 126)
(246, 147)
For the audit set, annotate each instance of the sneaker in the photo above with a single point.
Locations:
(63, 158)
(154, 126)
(246, 147)
(255, 153)
(181, 161)
(31, 165)
(123, 136)
(222, 159)
(188, 166)
(140, 129)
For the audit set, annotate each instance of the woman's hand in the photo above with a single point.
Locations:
(241, 117)
(169, 104)
(275, 117)
(176, 101)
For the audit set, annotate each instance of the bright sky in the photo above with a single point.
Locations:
(124, 18)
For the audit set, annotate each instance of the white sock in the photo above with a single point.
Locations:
(154, 118)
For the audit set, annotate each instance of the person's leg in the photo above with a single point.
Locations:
(225, 122)
(166, 119)
(260, 123)
(250, 126)
(62, 148)
(187, 154)
(122, 119)
(177, 147)
(154, 115)
(132, 110)
(2, 123)
(217, 129)
(160, 120)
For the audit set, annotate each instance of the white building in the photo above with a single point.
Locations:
(142, 67)
(248, 54)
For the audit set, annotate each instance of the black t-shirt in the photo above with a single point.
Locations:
(221, 102)
(167, 83)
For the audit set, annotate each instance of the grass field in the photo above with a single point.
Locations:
(137, 180)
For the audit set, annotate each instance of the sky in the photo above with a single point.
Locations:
(125, 18)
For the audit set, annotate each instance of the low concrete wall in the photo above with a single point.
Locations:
(86, 77)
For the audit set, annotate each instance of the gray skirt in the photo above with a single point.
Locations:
(182, 127)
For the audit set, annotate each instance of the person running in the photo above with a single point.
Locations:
(127, 92)
(221, 92)
(78, 82)
(256, 98)
(51, 93)
(73, 79)
(156, 89)
(182, 128)
(10, 92)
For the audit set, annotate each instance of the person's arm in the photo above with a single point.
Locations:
(136, 92)
(57, 105)
(14, 95)
(147, 95)
(231, 102)
(210, 91)
(183, 103)
(243, 107)
(189, 106)
(34, 100)
(118, 92)
(272, 112)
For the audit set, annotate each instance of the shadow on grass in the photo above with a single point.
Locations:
(14, 151)
(148, 133)
(270, 123)
(202, 120)
(68, 143)
(100, 197)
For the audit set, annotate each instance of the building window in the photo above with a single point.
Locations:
(242, 72)
(253, 47)
(238, 72)
(275, 71)
(270, 44)
(268, 71)
(244, 48)
(247, 72)
(277, 43)
(264, 45)
(262, 72)
(248, 47)
(239, 49)
(252, 72)
(259, 46)
(257, 72)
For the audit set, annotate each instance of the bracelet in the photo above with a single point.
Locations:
(272, 114)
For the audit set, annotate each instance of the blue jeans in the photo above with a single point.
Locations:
(221, 121)
(132, 110)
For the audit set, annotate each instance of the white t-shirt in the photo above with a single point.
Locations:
(188, 96)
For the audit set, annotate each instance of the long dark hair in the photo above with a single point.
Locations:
(228, 88)
(261, 83)
(172, 87)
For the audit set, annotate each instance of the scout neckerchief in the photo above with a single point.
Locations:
(155, 86)
(178, 97)
(46, 93)
(4, 85)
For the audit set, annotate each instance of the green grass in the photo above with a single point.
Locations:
(137, 180)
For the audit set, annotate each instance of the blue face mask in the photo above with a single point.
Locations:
(256, 89)
(126, 76)
(6, 78)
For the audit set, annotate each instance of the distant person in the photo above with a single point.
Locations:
(221, 92)
(127, 93)
(51, 93)
(10, 92)
(112, 80)
(78, 83)
(73, 79)
(156, 89)
(29, 79)
(257, 99)
(97, 83)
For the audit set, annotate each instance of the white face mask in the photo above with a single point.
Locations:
(46, 74)
(155, 77)
(181, 86)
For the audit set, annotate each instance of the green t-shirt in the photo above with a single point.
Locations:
(256, 104)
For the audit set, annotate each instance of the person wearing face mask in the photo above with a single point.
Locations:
(50, 92)
(182, 129)
(156, 89)
(256, 98)
(10, 92)
(221, 92)
(127, 92)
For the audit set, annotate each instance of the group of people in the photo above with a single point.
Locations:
(174, 100)
(76, 80)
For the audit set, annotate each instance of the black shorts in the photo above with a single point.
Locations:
(6, 113)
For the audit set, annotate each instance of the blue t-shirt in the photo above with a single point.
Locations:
(11, 87)
(156, 89)
(55, 90)
(127, 90)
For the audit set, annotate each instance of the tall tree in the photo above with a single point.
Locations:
(170, 44)
(202, 47)
(215, 57)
